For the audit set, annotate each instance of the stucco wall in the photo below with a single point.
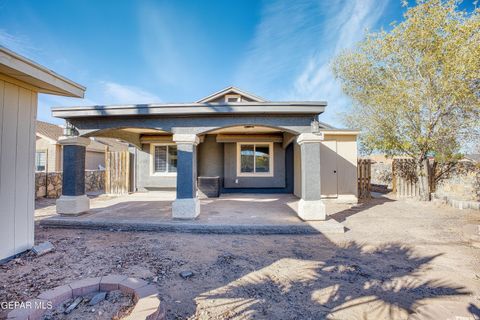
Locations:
(230, 170)
(346, 165)
(145, 180)
(94, 159)
(210, 157)
(18, 107)
(343, 161)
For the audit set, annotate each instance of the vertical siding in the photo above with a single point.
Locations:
(16, 168)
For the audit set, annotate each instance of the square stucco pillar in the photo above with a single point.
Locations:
(310, 206)
(186, 205)
(73, 200)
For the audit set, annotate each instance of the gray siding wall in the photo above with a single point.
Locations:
(210, 157)
(18, 107)
(230, 170)
(297, 170)
(147, 181)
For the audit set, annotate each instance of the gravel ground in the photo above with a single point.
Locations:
(396, 257)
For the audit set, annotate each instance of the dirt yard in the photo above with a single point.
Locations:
(396, 258)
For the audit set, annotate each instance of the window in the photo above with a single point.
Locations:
(232, 98)
(40, 161)
(164, 159)
(255, 159)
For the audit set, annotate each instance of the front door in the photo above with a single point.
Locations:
(328, 169)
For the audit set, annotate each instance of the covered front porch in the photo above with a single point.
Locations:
(230, 213)
(247, 144)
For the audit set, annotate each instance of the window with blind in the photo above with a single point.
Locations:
(164, 159)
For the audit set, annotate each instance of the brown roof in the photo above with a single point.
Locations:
(48, 130)
(54, 132)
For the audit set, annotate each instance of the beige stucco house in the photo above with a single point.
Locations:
(20, 82)
(49, 152)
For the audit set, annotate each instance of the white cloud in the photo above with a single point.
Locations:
(113, 93)
(18, 43)
(103, 93)
(289, 58)
(348, 25)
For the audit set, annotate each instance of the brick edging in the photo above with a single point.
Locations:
(145, 295)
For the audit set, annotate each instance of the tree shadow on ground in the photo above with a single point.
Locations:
(357, 281)
(341, 216)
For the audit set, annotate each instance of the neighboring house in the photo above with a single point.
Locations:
(246, 143)
(20, 82)
(48, 156)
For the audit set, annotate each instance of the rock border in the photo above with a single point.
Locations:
(145, 295)
(457, 204)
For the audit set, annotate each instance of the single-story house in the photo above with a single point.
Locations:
(49, 152)
(20, 82)
(231, 140)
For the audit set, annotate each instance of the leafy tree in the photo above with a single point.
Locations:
(416, 88)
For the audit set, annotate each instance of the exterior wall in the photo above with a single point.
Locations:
(54, 154)
(94, 159)
(230, 170)
(17, 148)
(297, 171)
(345, 165)
(145, 180)
(210, 157)
(50, 184)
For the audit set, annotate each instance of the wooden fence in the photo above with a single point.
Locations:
(117, 172)
(404, 177)
(364, 176)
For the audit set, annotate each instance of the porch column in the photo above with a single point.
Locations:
(187, 205)
(73, 199)
(310, 207)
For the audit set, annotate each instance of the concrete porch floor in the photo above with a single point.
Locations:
(230, 213)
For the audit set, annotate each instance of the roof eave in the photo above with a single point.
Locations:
(44, 80)
(312, 108)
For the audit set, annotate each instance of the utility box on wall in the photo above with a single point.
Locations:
(209, 187)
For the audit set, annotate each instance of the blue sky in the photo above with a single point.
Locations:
(179, 51)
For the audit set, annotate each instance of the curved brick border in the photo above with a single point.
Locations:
(147, 302)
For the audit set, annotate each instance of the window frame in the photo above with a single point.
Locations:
(46, 161)
(255, 174)
(152, 160)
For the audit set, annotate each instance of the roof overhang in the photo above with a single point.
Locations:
(192, 109)
(42, 79)
(340, 132)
